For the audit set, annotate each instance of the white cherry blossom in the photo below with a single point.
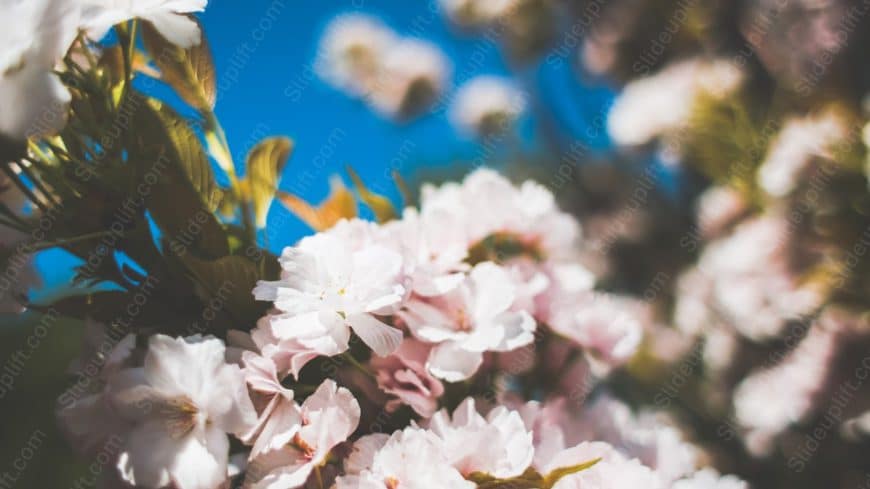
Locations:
(329, 286)
(181, 404)
(169, 17)
(409, 459)
(329, 416)
(498, 445)
(474, 318)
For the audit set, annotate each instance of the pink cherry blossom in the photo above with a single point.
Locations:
(331, 283)
(404, 377)
(498, 445)
(412, 458)
(474, 318)
(329, 416)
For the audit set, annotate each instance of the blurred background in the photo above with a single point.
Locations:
(715, 153)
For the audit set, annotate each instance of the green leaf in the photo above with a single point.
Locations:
(189, 71)
(225, 285)
(172, 180)
(530, 479)
(264, 165)
(553, 477)
(191, 155)
(380, 205)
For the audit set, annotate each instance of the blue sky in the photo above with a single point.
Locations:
(264, 52)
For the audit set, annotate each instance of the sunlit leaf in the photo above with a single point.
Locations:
(174, 181)
(189, 71)
(530, 479)
(553, 477)
(381, 206)
(264, 165)
(404, 190)
(191, 155)
(339, 205)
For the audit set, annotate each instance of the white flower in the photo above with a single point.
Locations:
(753, 285)
(768, 401)
(280, 418)
(476, 12)
(613, 470)
(468, 321)
(167, 16)
(181, 405)
(332, 282)
(498, 445)
(649, 436)
(606, 325)
(487, 105)
(798, 144)
(409, 459)
(34, 36)
(527, 213)
(351, 52)
(433, 247)
(655, 105)
(412, 76)
(329, 416)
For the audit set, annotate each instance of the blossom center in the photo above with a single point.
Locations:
(306, 449)
(181, 415)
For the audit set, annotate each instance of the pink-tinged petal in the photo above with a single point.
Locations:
(285, 468)
(227, 402)
(519, 330)
(200, 465)
(382, 338)
(377, 265)
(177, 29)
(154, 458)
(494, 290)
(278, 424)
(169, 360)
(147, 456)
(432, 286)
(261, 374)
(403, 375)
(449, 362)
(363, 452)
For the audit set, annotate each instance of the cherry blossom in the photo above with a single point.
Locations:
(498, 445)
(412, 458)
(328, 417)
(487, 105)
(168, 17)
(180, 404)
(404, 377)
(468, 321)
(35, 36)
(328, 286)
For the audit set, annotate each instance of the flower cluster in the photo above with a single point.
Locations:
(400, 77)
(404, 77)
(422, 307)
